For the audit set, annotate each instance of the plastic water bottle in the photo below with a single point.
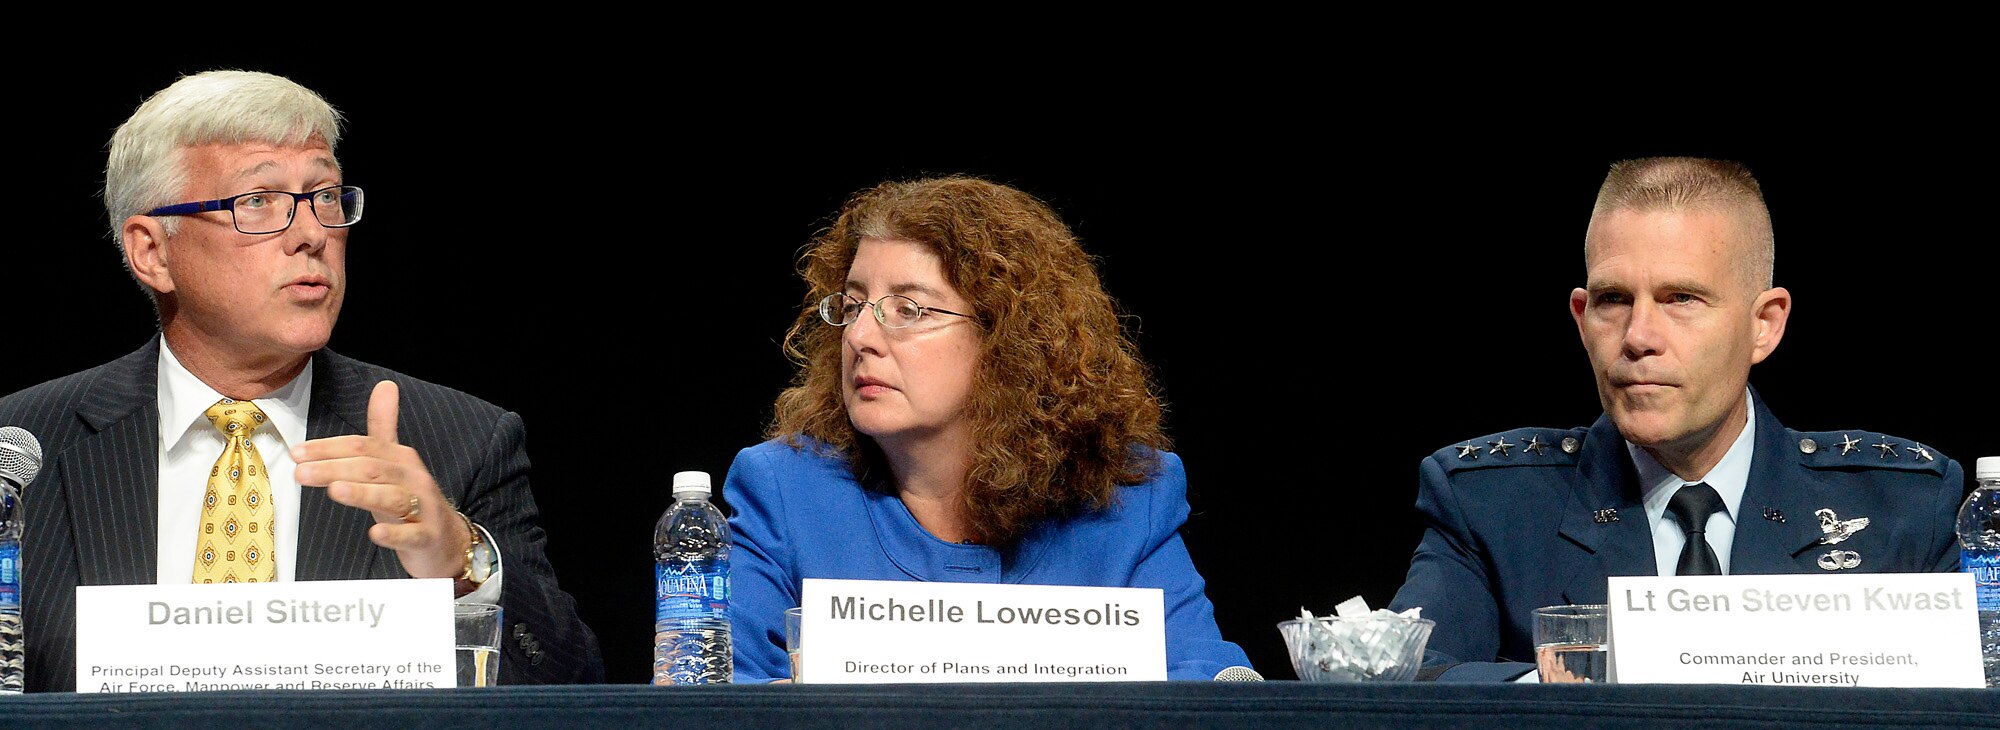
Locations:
(1979, 542)
(12, 651)
(691, 555)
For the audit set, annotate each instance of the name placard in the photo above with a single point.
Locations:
(353, 634)
(868, 631)
(1879, 630)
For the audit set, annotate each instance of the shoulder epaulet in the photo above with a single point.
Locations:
(1863, 450)
(1517, 447)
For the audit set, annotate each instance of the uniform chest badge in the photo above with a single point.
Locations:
(1837, 529)
(1839, 560)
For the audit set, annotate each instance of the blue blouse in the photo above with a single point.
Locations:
(801, 514)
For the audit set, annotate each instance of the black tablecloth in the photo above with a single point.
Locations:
(1039, 706)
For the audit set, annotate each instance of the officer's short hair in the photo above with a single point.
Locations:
(1684, 183)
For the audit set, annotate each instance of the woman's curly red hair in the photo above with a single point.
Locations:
(1063, 410)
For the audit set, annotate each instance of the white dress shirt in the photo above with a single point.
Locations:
(1729, 477)
(189, 446)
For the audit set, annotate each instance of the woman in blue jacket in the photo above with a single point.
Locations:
(966, 409)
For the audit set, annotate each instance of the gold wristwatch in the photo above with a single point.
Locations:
(478, 559)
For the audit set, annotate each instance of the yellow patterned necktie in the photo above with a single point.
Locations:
(235, 541)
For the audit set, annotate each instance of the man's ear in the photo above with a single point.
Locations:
(1773, 307)
(145, 243)
(1579, 300)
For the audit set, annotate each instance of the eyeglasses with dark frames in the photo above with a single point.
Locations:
(270, 211)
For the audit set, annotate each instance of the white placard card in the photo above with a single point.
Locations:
(868, 631)
(350, 634)
(1863, 630)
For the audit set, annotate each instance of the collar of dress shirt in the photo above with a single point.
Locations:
(1729, 477)
(184, 400)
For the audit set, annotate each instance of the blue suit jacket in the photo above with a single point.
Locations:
(1511, 532)
(801, 514)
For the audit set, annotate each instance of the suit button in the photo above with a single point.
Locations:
(1807, 446)
(520, 630)
(1570, 445)
(536, 660)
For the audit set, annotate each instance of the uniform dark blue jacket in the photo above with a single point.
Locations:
(1511, 532)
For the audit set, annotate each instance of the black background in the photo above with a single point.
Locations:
(1332, 278)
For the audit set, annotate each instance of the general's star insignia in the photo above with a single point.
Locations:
(1848, 444)
(1535, 445)
(1921, 452)
(1888, 449)
(1468, 450)
(1501, 447)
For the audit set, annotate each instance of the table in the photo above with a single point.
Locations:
(1177, 705)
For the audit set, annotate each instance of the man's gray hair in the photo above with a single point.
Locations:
(146, 170)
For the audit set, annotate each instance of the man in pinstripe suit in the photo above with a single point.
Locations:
(371, 474)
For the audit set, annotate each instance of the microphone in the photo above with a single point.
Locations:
(1239, 674)
(20, 456)
(20, 461)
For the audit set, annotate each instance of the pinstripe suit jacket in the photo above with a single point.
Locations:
(93, 513)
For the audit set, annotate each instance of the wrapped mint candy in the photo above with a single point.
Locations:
(1357, 644)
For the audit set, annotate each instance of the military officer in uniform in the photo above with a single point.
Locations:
(1688, 472)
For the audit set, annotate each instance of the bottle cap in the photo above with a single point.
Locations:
(691, 481)
(1988, 467)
